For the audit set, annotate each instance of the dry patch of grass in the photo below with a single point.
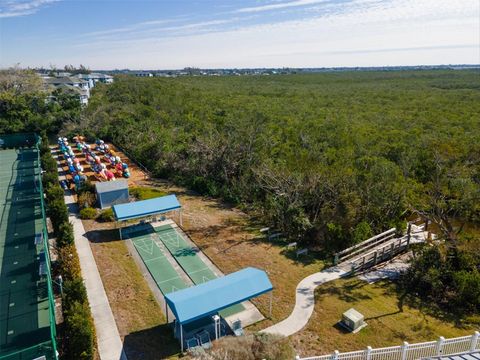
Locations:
(139, 318)
(389, 323)
(232, 240)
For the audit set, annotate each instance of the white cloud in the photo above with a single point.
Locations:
(365, 33)
(22, 7)
(278, 6)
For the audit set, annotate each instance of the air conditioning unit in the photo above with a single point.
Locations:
(353, 320)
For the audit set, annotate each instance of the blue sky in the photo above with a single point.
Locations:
(172, 34)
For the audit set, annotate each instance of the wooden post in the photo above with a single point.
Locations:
(409, 233)
(391, 249)
(181, 337)
(426, 225)
(270, 307)
(335, 259)
(375, 258)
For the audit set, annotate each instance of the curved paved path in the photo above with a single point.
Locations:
(305, 301)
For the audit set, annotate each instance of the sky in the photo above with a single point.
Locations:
(173, 34)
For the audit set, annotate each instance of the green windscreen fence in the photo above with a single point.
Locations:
(27, 314)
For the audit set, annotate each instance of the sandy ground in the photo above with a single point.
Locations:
(137, 176)
(388, 270)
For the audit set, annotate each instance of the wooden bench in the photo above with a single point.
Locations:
(301, 252)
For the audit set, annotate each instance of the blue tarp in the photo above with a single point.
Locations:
(208, 298)
(143, 208)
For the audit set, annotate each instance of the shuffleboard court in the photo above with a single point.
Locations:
(165, 276)
(187, 257)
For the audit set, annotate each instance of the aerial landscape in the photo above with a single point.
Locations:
(240, 180)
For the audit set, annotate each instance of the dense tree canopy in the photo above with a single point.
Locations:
(25, 104)
(328, 158)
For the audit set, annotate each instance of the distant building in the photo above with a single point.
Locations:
(79, 84)
(94, 78)
(144, 74)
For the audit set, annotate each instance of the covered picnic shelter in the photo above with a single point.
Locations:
(144, 208)
(207, 299)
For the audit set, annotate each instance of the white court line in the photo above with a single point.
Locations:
(157, 258)
(164, 281)
(196, 271)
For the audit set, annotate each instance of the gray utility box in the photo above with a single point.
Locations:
(353, 320)
(112, 193)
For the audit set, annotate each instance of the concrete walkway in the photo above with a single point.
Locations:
(304, 302)
(110, 346)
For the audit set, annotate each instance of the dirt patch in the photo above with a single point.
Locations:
(137, 175)
(231, 239)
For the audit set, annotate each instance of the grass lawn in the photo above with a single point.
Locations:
(388, 324)
(139, 318)
(144, 193)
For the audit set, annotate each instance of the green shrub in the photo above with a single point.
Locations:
(73, 291)
(86, 200)
(49, 179)
(58, 213)
(68, 262)
(106, 215)
(79, 331)
(87, 186)
(88, 213)
(49, 164)
(54, 192)
(65, 234)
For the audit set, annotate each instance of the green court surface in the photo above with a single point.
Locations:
(24, 303)
(162, 271)
(187, 257)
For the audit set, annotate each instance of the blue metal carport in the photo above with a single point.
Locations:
(144, 208)
(208, 298)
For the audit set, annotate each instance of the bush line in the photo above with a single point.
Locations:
(79, 331)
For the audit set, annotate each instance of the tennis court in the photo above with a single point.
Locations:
(165, 276)
(187, 257)
(25, 306)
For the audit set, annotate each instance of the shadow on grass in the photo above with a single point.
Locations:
(103, 236)
(349, 292)
(151, 344)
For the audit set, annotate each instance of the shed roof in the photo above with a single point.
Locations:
(208, 298)
(143, 208)
(103, 187)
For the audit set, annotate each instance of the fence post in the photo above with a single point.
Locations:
(375, 258)
(440, 342)
(335, 260)
(335, 355)
(409, 233)
(368, 353)
(473, 345)
(404, 350)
